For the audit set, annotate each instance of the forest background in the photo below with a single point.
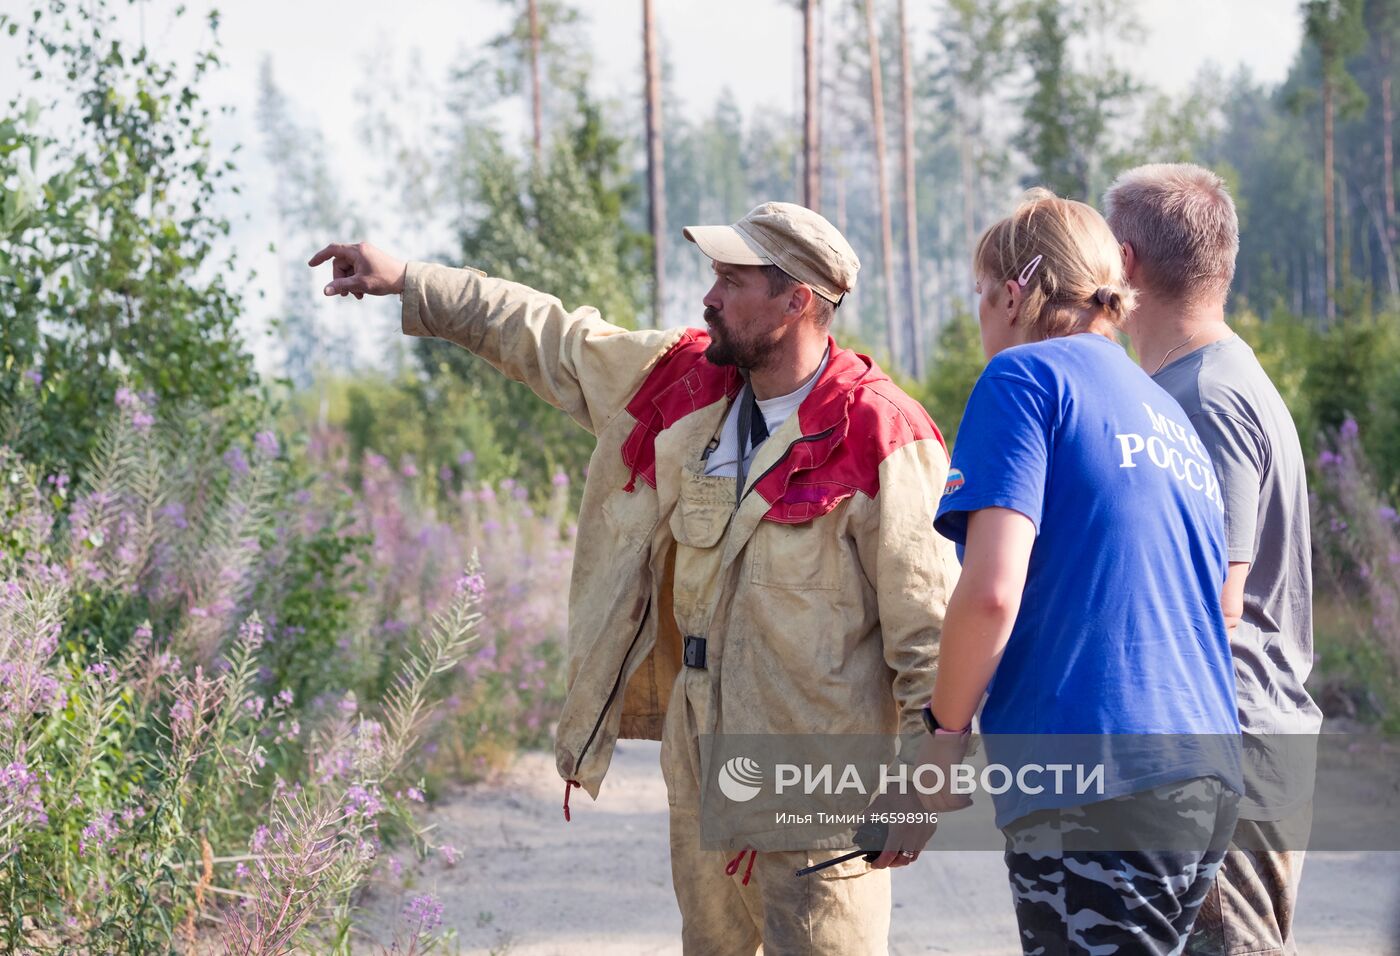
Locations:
(274, 574)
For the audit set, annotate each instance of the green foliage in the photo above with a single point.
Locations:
(107, 265)
(957, 362)
(1326, 378)
(1338, 29)
(558, 228)
(1068, 115)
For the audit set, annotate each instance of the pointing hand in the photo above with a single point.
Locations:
(361, 269)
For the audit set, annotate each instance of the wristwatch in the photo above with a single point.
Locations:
(931, 723)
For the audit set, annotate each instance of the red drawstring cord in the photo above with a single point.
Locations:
(733, 867)
(568, 785)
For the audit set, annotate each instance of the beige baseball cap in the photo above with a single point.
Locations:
(793, 238)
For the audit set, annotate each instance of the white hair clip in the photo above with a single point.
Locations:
(1028, 271)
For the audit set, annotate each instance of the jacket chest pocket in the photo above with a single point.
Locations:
(797, 557)
(698, 523)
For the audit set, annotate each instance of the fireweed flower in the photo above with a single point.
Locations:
(99, 833)
(21, 797)
(265, 442)
(362, 802)
(236, 461)
(472, 582)
(251, 633)
(425, 911)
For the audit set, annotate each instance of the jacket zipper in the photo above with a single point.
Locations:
(783, 457)
(617, 685)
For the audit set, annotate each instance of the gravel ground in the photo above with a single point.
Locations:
(602, 884)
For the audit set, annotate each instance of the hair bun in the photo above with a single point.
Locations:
(1105, 295)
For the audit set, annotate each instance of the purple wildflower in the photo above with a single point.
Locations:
(266, 444)
(99, 833)
(251, 633)
(473, 583)
(236, 461)
(425, 911)
(365, 803)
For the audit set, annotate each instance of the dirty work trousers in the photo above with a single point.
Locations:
(842, 911)
(1249, 910)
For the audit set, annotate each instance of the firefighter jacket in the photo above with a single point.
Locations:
(820, 600)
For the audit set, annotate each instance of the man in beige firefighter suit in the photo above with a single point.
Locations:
(809, 604)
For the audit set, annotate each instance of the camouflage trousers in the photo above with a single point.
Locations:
(1122, 876)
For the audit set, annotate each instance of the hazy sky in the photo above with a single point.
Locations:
(325, 55)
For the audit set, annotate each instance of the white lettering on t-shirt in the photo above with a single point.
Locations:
(1161, 449)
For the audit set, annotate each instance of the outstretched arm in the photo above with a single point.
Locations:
(574, 360)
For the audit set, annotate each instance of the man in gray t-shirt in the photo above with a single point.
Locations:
(1180, 235)
(1253, 444)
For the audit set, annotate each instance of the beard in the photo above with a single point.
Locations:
(726, 348)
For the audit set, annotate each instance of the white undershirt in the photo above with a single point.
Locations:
(724, 460)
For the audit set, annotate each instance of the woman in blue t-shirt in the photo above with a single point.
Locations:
(1090, 524)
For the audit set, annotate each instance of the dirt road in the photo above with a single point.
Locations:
(602, 884)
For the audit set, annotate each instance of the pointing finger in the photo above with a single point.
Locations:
(334, 250)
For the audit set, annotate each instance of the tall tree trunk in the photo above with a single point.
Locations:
(811, 131)
(911, 213)
(968, 175)
(1387, 137)
(656, 168)
(536, 96)
(1329, 212)
(877, 106)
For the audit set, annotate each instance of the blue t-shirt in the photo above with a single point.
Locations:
(1120, 630)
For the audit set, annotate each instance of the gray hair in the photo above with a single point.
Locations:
(1181, 223)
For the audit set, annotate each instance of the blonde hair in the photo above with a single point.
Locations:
(1079, 273)
(1181, 223)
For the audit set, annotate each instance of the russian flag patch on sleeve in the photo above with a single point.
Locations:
(955, 481)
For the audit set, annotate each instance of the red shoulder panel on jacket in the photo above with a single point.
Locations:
(877, 419)
(680, 383)
(852, 421)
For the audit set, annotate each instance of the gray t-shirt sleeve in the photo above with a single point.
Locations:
(1237, 451)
